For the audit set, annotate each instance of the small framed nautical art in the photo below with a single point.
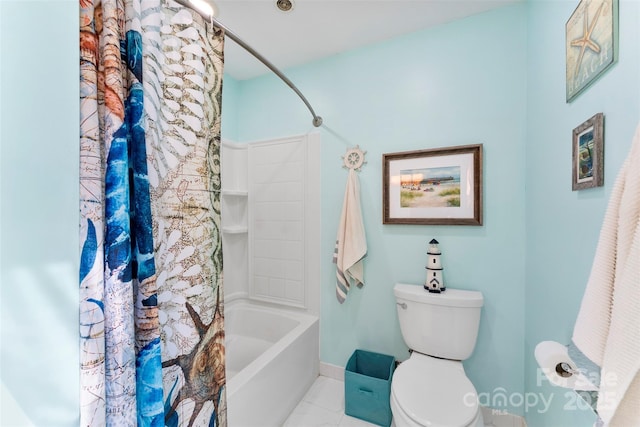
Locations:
(591, 43)
(441, 186)
(588, 154)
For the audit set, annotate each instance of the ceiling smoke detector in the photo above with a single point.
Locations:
(284, 5)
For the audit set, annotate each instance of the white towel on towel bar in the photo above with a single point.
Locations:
(607, 329)
(351, 243)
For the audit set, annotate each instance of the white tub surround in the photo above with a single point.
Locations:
(271, 248)
(271, 221)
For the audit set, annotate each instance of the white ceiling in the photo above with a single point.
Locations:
(316, 29)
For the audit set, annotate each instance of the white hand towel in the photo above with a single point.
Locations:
(351, 243)
(607, 329)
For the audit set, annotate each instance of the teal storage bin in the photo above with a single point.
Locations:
(367, 387)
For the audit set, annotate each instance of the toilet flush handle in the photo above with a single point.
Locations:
(403, 305)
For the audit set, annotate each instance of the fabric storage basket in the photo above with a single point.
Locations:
(367, 386)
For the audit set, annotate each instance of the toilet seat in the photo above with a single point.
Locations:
(434, 392)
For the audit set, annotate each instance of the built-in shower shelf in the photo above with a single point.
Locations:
(234, 211)
(235, 193)
(235, 229)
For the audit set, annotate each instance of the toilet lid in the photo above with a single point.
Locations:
(433, 393)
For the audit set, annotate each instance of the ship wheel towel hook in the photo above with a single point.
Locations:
(354, 158)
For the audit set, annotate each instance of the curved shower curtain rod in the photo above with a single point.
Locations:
(317, 120)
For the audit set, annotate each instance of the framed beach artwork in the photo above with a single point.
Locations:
(591, 43)
(441, 186)
(588, 154)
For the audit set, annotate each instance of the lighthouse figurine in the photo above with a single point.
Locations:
(435, 281)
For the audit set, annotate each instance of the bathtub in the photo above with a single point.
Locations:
(272, 358)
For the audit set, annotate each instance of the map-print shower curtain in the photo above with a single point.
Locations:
(151, 297)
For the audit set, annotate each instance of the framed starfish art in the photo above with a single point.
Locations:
(591, 43)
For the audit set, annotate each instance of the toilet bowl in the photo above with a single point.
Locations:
(427, 391)
(431, 389)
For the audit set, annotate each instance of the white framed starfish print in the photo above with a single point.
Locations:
(591, 43)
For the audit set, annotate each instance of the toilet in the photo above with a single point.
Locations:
(431, 388)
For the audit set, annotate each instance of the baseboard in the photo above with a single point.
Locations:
(332, 371)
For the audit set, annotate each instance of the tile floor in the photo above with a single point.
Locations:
(323, 405)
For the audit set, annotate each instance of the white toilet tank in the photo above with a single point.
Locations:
(442, 325)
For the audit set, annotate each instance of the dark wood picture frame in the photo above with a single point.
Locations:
(439, 186)
(588, 154)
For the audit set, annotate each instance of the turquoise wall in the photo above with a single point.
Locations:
(562, 225)
(461, 83)
(229, 125)
(39, 212)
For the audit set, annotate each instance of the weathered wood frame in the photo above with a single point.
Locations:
(475, 150)
(597, 154)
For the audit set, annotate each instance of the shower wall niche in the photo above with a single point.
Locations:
(271, 221)
(234, 218)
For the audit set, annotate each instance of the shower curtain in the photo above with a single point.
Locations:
(151, 296)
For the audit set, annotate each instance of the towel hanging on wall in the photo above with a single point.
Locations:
(607, 330)
(351, 242)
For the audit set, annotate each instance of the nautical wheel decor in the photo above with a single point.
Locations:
(354, 158)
